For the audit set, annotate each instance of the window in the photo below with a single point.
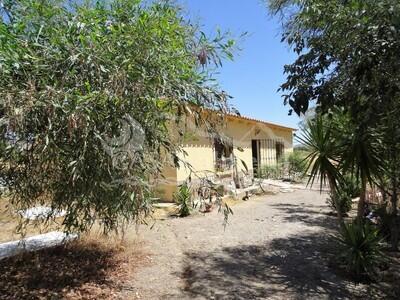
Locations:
(223, 154)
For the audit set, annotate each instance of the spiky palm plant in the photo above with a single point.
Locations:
(323, 157)
(360, 155)
(361, 248)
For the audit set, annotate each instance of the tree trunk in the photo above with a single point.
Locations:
(361, 202)
(332, 187)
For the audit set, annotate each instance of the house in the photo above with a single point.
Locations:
(232, 159)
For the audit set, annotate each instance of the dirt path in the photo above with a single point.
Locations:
(274, 248)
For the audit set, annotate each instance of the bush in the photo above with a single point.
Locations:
(184, 200)
(270, 172)
(297, 165)
(343, 199)
(348, 189)
(294, 166)
(361, 248)
(352, 185)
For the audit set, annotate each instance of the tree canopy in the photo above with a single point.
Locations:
(80, 80)
(348, 61)
(347, 53)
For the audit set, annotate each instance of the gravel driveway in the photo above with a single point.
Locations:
(275, 247)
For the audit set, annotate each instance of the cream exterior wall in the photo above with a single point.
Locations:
(200, 156)
(167, 185)
(200, 152)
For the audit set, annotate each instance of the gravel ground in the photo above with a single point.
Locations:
(275, 247)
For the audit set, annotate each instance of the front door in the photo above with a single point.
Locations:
(255, 149)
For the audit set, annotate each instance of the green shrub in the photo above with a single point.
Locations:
(343, 199)
(361, 248)
(292, 166)
(183, 197)
(348, 189)
(352, 185)
(270, 172)
(297, 165)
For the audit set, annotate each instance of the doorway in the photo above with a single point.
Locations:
(279, 150)
(255, 150)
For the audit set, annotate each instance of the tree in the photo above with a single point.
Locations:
(347, 54)
(87, 91)
(348, 58)
(360, 155)
(390, 148)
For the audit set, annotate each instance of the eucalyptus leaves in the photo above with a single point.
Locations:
(91, 86)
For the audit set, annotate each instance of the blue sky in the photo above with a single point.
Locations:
(257, 71)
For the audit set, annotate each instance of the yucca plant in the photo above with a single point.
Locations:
(183, 197)
(361, 248)
(323, 159)
(360, 154)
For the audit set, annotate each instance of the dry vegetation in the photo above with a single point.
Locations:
(92, 268)
(95, 267)
(9, 220)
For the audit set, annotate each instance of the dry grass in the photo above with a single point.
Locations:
(163, 213)
(9, 221)
(230, 201)
(92, 268)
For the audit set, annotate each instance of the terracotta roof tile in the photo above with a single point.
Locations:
(260, 121)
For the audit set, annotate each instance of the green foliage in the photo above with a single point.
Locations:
(293, 166)
(340, 201)
(348, 188)
(360, 153)
(337, 146)
(361, 248)
(72, 75)
(323, 151)
(271, 171)
(297, 164)
(351, 185)
(347, 58)
(183, 197)
(347, 53)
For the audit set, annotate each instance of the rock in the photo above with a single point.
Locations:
(34, 243)
(41, 212)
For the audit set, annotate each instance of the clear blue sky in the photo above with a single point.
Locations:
(257, 72)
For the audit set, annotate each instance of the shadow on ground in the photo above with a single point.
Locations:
(295, 267)
(311, 215)
(76, 271)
